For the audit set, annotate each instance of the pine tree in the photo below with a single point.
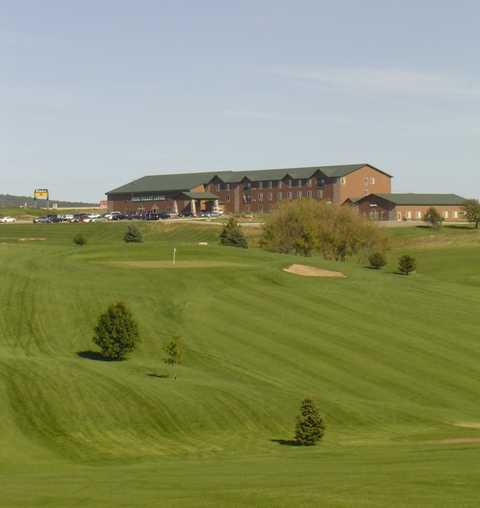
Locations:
(116, 332)
(232, 235)
(79, 240)
(406, 265)
(377, 260)
(133, 235)
(310, 426)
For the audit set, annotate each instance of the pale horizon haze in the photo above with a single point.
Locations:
(96, 93)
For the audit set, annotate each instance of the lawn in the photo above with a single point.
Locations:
(392, 361)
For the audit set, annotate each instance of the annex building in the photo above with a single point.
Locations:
(363, 186)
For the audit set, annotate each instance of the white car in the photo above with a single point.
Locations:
(7, 220)
(111, 215)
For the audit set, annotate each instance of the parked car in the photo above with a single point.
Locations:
(7, 220)
(112, 215)
(42, 220)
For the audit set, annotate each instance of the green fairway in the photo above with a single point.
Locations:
(393, 363)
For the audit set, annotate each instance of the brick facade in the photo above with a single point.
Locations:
(378, 208)
(250, 191)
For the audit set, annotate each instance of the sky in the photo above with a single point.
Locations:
(96, 93)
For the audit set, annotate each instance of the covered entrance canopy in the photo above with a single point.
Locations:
(199, 201)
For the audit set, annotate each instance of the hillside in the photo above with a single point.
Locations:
(392, 361)
(9, 201)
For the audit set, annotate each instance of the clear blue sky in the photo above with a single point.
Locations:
(94, 93)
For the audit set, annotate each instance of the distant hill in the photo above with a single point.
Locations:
(9, 201)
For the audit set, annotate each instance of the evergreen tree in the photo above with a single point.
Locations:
(116, 332)
(310, 426)
(133, 235)
(377, 260)
(406, 265)
(232, 235)
(79, 240)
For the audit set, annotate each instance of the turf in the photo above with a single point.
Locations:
(392, 361)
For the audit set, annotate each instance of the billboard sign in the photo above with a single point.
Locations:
(40, 194)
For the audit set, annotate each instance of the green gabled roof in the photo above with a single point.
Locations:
(166, 183)
(303, 172)
(188, 181)
(200, 195)
(422, 199)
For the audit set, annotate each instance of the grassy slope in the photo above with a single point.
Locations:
(393, 362)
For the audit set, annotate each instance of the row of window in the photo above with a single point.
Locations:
(282, 195)
(418, 215)
(272, 184)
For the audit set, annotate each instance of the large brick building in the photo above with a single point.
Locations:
(248, 191)
(362, 186)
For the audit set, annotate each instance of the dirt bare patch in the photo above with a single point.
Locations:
(312, 271)
(177, 265)
(458, 440)
(467, 425)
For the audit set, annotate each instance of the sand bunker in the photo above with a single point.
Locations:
(467, 425)
(178, 264)
(311, 271)
(458, 440)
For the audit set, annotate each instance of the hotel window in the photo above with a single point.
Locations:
(227, 197)
(280, 196)
(320, 193)
(219, 186)
(270, 196)
(260, 185)
(270, 184)
(343, 180)
(228, 186)
(280, 183)
(248, 185)
(419, 215)
(299, 194)
(365, 180)
(409, 214)
(445, 214)
(290, 183)
(372, 180)
(300, 183)
(455, 214)
(260, 196)
(309, 194)
(289, 195)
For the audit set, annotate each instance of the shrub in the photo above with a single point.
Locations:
(306, 226)
(433, 218)
(116, 332)
(79, 240)
(310, 427)
(472, 212)
(377, 260)
(407, 265)
(232, 235)
(133, 235)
